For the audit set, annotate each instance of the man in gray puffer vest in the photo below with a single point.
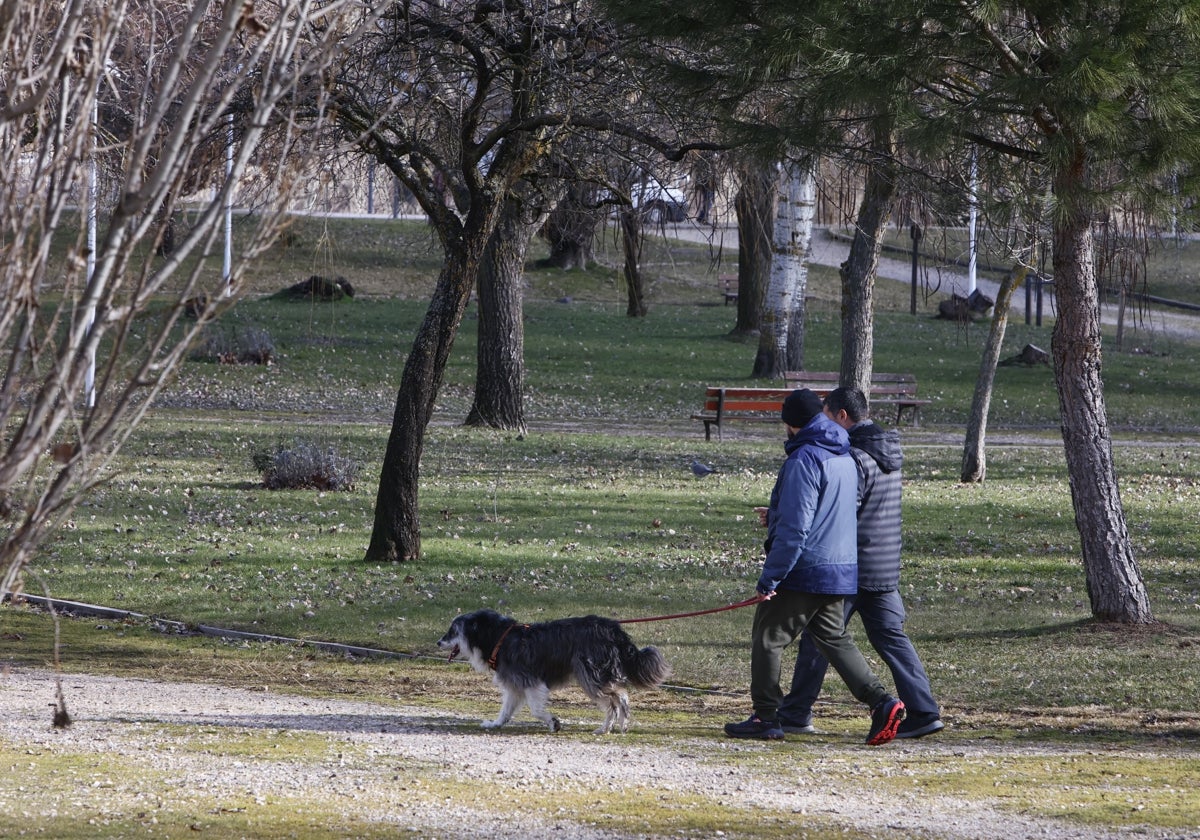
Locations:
(877, 453)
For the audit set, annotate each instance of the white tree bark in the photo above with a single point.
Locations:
(783, 307)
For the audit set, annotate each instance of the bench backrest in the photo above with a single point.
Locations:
(748, 400)
(882, 384)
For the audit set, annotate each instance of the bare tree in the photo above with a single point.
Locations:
(571, 228)
(462, 101)
(974, 463)
(93, 336)
(632, 239)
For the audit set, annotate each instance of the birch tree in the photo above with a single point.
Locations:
(781, 341)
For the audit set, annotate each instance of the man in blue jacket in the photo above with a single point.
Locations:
(811, 565)
(876, 451)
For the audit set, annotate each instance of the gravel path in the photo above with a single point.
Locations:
(382, 764)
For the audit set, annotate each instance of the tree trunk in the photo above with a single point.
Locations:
(631, 243)
(165, 246)
(781, 341)
(396, 535)
(567, 254)
(804, 205)
(974, 463)
(755, 209)
(570, 230)
(1114, 582)
(500, 356)
(859, 270)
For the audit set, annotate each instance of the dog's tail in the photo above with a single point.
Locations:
(647, 668)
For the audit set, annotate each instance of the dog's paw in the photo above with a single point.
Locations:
(491, 724)
(555, 725)
(601, 730)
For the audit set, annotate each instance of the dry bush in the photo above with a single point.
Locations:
(306, 465)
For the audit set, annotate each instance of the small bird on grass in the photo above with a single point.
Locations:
(700, 469)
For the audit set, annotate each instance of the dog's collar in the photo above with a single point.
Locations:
(500, 641)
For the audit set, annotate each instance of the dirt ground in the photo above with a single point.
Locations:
(386, 765)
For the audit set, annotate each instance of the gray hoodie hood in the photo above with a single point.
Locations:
(883, 445)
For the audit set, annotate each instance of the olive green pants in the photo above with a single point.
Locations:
(779, 621)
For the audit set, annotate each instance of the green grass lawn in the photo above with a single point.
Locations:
(595, 511)
(563, 520)
(587, 361)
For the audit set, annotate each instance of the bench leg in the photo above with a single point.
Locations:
(916, 420)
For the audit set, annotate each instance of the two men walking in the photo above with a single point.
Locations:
(825, 500)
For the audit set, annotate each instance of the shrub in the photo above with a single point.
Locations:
(305, 465)
(255, 346)
(318, 288)
(250, 346)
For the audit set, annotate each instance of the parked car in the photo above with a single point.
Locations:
(659, 202)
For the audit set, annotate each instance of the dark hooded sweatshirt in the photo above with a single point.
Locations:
(877, 452)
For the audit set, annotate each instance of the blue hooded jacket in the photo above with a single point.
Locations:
(812, 543)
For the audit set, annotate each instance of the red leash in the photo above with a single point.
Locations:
(749, 602)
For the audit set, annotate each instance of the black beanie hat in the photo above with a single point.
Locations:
(800, 407)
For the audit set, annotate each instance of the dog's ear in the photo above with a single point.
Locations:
(482, 622)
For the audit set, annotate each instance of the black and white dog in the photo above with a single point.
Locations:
(529, 660)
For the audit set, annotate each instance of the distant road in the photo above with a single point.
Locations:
(830, 250)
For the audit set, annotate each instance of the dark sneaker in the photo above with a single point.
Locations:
(885, 720)
(755, 727)
(798, 727)
(918, 726)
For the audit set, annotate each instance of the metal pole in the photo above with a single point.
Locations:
(973, 216)
(227, 269)
(1041, 285)
(915, 232)
(371, 187)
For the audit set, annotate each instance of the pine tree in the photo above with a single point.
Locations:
(1098, 101)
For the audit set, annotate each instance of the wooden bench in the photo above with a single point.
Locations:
(763, 405)
(898, 390)
(724, 405)
(728, 283)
